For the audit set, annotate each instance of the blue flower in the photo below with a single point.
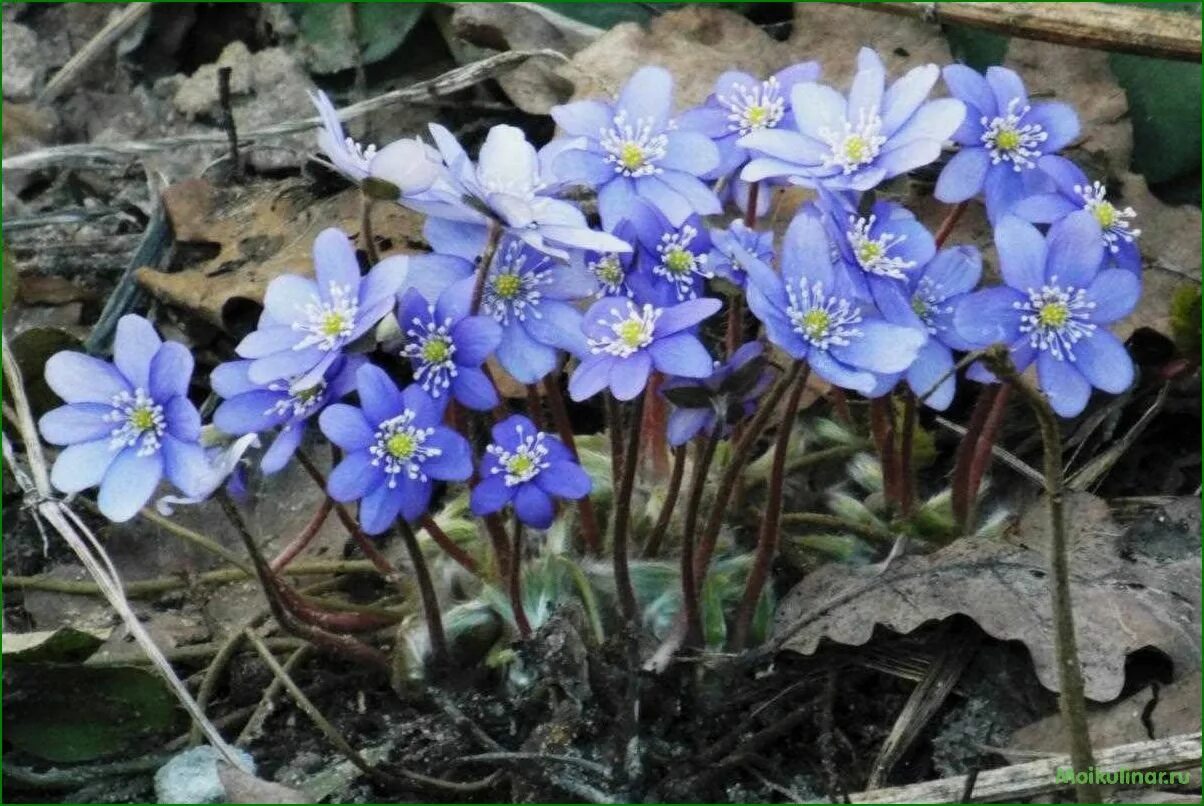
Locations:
(674, 267)
(877, 251)
(742, 104)
(1075, 192)
(306, 323)
(812, 312)
(729, 244)
(856, 144)
(1001, 139)
(688, 421)
(251, 408)
(927, 299)
(528, 468)
(626, 341)
(634, 155)
(127, 423)
(447, 346)
(410, 165)
(611, 271)
(1053, 309)
(510, 187)
(396, 446)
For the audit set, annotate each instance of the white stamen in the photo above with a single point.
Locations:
(822, 321)
(611, 276)
(527, 461)
(678, 264)
(1055, 318)
(429, 345)
(300, 402)
(928, 301)
(872, 253)
(400, 448)
(631, 331)
(1009, 141)
(328, 323)
(1114, 221)
(753, 108)
(633, 148)
(140, 420)
(512, 290)
(856, 145)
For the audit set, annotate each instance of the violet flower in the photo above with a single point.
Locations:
(1001, 139)
(410, 165)
(1053, 309)
(725, 393)
(611, 271)
(626, 341)
(511, 187)
(634, 155)
(741, 104)
(880, 250)
(252, 408)
(855, 144)
(674, 267)
(126, 423)
(447, 346)
(727, 246)
(812, 312)
(927, 299)
(396, 447)
(307, 323)
(1075, 192)
(526, 467)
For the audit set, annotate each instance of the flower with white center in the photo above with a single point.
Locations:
(823, 320)
(513, 287)
(873, 254)
(680, 265)
(429, 345)
(1113, 220)
(611, 275)
(629, 331)
(750, 108)
(855, 144)
(1008, 139)
(525, 467)
(1053, 309)
(731, 245)
(126, 424)
(395, 447)
(928, 302)
(296, 404)
(633, 147)
(328, 322)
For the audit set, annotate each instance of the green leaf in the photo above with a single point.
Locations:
(1185, 320)
(976, 48)
(603, 15)
(384, 26)
(330, 33)
(32, 349)
(64, 645)
(1164, 106)
(69, 714)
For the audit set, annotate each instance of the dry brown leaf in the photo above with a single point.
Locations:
(247, 235)
(1120, 606)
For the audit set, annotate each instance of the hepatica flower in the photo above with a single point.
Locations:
(306, 323)
(675, 267)
(1053, 309)
(728, 394)
(727, 245)
(446, 346)
(742, 104)
(396, 448)
(1075, 192)
(812, 312)
(856, 143)
(627, 340)
(251, 408)
(1001, 139)
(410, 165)
(633, 153)
(127, 423)
(509, 187)
(526, 467)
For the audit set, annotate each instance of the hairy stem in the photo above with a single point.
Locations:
(946, 227)
(961, 495)
(367, 238)
(652, 546)
(614, 429)
(622, 513)
(483, 265)
(515, 581)
(690, 583)
(980, 458)
(1071, 700)
(741, 453)
(656, 418)
(882, 427)
(466, 560)
(767, 541)
(906, 472)
(821, 520)
(426, 590)
(591, 535)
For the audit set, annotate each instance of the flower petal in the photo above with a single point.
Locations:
(250, 413)
(905, 158)
(1022, 253)
(883, 347)
(1062, 383)
(186, 466)
(282, 449)
(590, 377)
(267, 340)
(685, 315)
(1115, 293)
(415, 497)
(685, 424)
(182, 419)
(454, 463)
(1060, 123)
(379, 508)
(816, 108)
(1104, 362)
(81, 466)
(616, 200)
(533, 506)
(971, 88)
(522, 356)
(354, 477)
(1006, 86)
(76, 422)
(170, 371)
(827, 367)
(565, 480)
(490, 495)
(507, 158)
(698, 194)
(583, 118)
(79, 378)
(647, 98)
(287, 364)
(230, 379)
(134, 346)
(475, 337)
(989, 316)
(955, 270)
(346, 427)
(629, 376)
(932, 364)
(963, 176)
(690, 152)
(379, 396)
(128, 484)
(682, 355)
(287, 297)
(473, 389)
(905, 95)
(1044, 208)
(675, 207)
(335, 263)
(1075, 250)
(384, 281)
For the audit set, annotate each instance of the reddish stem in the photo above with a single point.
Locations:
(590, 533)
(653, 546)
(983, 446)
(691, 610)
(426, 590)
(622, 515)
(840, 405)
(302, 540)
(906, 473)
(515, 586)
(961, 494)
(535, 407)
(946, 226)
(448, 545)
(882, 426)
(656, 417)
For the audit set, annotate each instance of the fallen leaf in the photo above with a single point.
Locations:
(243, 787)
(244, 236)
(64, 645)
(1120, 606)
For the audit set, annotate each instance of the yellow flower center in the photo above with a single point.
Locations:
(855, 148)
(1007, 140)
(609, 270)
(142, 419)
(631, 156)
(868, 252)
(919, 306)
(815, 323)
(679, 261)
(507, 286)
(401, 445)
(1053, 315)
(435, 351)
(1104, 213)
(631, 333)
(520, 464)
(333, 324)
(755, 116)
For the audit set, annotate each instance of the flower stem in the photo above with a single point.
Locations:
(656, 415)
(448, 545)
(515, 581)
(1071, 701)
(689, 581)
(882, 426)
(304, 537)
(614, 429)
(741, 453)
(478, 288)
(590, 533)
(960, 492)
(622, 513)
(946, 226)
(367, 238)
(767, 541)
(840, 405)
(535, 407)
(653, 546)
(984, 446)
(426, 589)
(906, 472)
